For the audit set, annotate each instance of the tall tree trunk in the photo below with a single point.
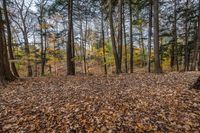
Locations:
(103, 43)
(131, 39)
(125, 42)
(40, 19)
(174, 52)
(35, 61)
(175, 36)
(70, 62)
(85, 48)
(142, 46)
(73, 49)
(150, 35)
(186, 62)
(197, 46)
(112, 32)
(9, 34)
(197, 83)
(157, 68)
(44, 51)
(198, 40)
(27, 52)
(5, 72)
(120, 22)
(2, 70)
(81, 41)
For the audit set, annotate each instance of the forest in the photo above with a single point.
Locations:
(107, 66)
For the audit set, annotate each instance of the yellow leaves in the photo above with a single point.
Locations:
(43, 26)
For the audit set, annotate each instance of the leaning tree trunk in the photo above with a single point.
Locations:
(112, 32)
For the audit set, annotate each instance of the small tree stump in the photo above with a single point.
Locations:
(196, 85)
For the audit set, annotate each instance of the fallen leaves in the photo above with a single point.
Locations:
(124, 103)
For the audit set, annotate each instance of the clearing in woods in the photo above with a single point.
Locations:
(127, 103)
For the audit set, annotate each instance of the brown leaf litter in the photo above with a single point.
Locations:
(124, 103)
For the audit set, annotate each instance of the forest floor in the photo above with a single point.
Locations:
(125, 103)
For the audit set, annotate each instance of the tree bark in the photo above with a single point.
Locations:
(131, 39)
(9, 34)
(125, 42)
(198, 40)
(120, 41)
(43, 45)
(149, 38)
(85, 49)
(186, 62)
(35, 62)
(157, 68)
(27, 52)
(174, 52)
(112, 32)
(5, 72)
(175, 36)
(73, 49)
(197, 46)
(70, 62)
(142, 46)
(103, 44)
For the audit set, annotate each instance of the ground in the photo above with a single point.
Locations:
(126, 103)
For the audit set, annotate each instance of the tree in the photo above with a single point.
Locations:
(9, 35)
(150, 35)
(186, 60)
(120, 39)
(70, 60)
(125, 41)
(174, 47)
(198, 40)
(157, 68)
(5, 72)
(131, 39)
(43, 27)
(112, 32)
(103, 42)
(21, 21)
(196, 61)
